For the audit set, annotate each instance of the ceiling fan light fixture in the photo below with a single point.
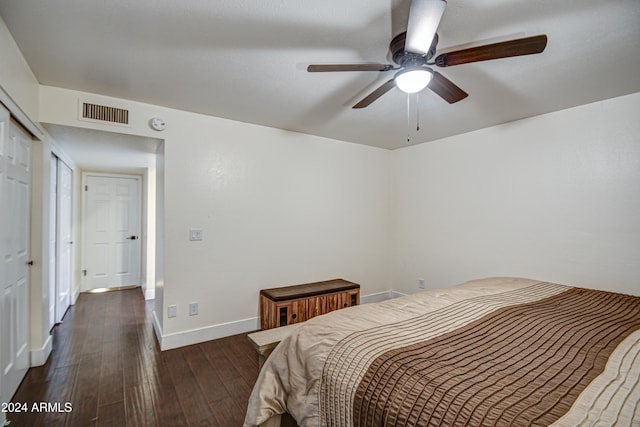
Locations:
(413, 80)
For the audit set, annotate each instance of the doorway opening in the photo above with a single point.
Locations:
(111, 225)
(89, 151)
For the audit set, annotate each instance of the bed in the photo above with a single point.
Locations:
(498, 351)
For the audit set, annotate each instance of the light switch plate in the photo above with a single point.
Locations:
(195, 234)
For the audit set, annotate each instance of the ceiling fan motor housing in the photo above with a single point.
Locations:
(409, 59)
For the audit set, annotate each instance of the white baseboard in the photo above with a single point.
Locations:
(39, 356)
(150, 294)
(213, 332)
(207, 333)
(396, 294)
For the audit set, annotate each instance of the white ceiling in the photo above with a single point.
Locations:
(105, 151)
(246, 60)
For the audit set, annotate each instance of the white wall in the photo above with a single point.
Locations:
(20, 85)
(16, 78)
(277, 208)
(554, 197)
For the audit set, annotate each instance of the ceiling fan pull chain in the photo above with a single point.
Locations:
(418, 111)
(408, 117)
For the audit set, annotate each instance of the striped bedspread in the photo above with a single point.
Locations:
(492, 352)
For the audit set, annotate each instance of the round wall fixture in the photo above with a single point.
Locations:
(157, 123)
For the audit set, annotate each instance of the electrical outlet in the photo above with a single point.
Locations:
(171, 310)
(193, 309)
(421, 283)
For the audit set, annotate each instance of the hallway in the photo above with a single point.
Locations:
(106, 369)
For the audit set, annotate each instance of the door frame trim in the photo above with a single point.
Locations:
(58, 247)
(53, 235)
(85, 175)
(22, 118)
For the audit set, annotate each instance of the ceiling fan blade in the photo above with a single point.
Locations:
(424, 18)
(518, 47)
(386, 87)
(446, 88)
(319, 68)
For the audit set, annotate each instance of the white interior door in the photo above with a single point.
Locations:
(112, 231)
(63, 239)
(15, 192)
(53, 225)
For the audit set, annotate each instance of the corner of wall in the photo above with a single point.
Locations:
(40, 355)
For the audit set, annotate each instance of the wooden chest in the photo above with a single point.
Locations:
(293, 304)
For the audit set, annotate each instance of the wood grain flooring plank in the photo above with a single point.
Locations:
(107, 363)
(111, 388)
(165, 402)
(84, 413)
(233, 380)
(241, 353)
(133, 359)
(227, 413)
(94, 318)
(112, 415)
(138, 406)
(214, 351)
(88, 377)
(209, 383)
(195, 406)
(60, 389)
(163, 393)
(71, 352)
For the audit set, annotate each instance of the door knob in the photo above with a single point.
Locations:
(132, 237)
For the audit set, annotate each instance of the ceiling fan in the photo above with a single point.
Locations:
(413, 50)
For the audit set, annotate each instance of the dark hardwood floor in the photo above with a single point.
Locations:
(107, 364)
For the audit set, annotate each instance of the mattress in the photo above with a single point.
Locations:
(498, 351)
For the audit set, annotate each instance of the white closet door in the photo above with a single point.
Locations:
(15, 195)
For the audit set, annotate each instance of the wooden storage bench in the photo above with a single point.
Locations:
(294, 304)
